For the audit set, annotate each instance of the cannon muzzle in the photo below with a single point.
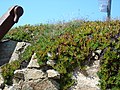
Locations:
(9, 19)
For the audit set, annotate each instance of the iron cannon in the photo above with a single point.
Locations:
(9, 19)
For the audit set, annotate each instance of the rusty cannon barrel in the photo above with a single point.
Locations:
(9, 19)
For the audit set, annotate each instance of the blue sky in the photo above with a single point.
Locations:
(51, 11)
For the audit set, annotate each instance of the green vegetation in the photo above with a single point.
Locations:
(8, 71)
(71, 45)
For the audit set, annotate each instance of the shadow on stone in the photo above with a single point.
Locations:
(6, 50)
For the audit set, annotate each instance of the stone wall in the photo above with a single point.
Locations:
(10, 50)
(34, 77)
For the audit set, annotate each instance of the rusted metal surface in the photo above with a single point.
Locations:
(9, 19)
